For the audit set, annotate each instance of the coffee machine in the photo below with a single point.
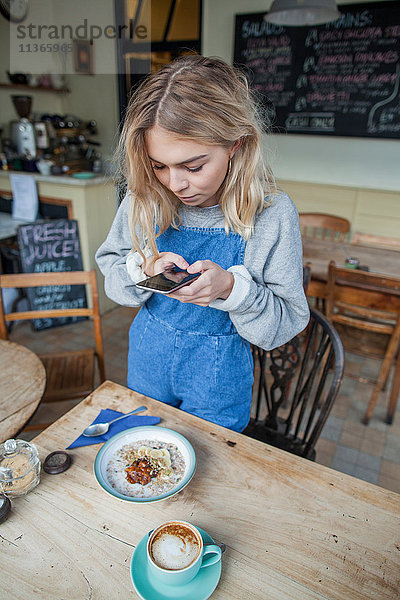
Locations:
(23, 131)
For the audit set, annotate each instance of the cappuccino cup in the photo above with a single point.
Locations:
(176, 553)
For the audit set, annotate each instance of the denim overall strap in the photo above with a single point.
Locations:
(193, 244)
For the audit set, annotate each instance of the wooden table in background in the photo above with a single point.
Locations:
(294, 530)
(321, 252)
(22, 383)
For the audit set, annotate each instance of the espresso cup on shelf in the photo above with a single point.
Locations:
(176, 553)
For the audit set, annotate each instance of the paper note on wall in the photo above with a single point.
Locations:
(25, 197)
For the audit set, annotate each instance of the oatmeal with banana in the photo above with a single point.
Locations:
(146, 468)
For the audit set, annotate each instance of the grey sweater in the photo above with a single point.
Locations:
(267, 304)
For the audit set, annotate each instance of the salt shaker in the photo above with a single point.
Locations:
(19, 467)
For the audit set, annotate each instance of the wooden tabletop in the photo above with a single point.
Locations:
(293, 529)
(321, 252)
(22, 383)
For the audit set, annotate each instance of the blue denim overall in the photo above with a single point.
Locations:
(191, 356)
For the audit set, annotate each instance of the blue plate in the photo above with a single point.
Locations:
(200, 588)
(147, 432)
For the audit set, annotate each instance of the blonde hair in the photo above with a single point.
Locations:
(203, 100)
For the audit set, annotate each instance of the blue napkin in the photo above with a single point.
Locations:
(105, 415)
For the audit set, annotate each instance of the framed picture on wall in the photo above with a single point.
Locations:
(83, 56)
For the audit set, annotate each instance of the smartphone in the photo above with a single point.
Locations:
(168, 281)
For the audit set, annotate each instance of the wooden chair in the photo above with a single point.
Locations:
(69, 375)
(370, 303)
(323, 226)
(295, 388)
(307, 271)
(377, 241)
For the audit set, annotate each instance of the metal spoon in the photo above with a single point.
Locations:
(101, 428)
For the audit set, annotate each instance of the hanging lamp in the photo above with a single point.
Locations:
(302, 12)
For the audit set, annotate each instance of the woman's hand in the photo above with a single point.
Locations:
(214, 282)
(165, 260)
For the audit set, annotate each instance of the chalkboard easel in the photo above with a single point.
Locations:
(52, 246)
(341, 78)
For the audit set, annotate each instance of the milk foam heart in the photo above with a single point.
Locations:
(175, 547)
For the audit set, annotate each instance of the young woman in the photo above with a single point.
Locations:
(201, 198)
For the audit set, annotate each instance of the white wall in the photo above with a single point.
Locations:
(42, 101)
(96, 96)
(360, 162)
(92, 96)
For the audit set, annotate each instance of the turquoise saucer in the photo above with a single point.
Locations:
(200, 588)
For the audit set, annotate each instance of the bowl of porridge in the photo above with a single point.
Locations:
(145, 464)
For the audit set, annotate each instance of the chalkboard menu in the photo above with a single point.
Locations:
(341, 78)
(52, 246)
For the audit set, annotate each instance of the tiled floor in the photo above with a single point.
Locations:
(368, 452)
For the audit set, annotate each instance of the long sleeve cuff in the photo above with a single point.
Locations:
(240, 290)
(134, 264)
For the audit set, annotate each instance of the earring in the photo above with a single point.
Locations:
(229, 166)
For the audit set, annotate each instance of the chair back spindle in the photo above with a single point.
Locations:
(324, 226)
(295, 387)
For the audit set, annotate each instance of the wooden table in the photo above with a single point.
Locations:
(294, 530)
(22, 383)
(321, 252)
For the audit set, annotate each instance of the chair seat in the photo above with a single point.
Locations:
(69, 375)
(367, 343)
(278, 439)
